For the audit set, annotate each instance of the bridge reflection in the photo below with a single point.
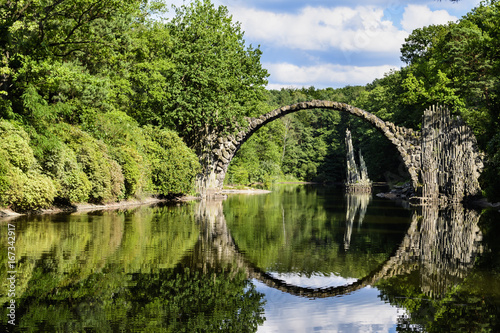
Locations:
(440, 245)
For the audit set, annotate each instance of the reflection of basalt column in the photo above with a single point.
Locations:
(355, 203)
(445, 244)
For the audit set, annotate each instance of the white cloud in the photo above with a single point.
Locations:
(331, 75)
(308, 44)
(361, 311)
(319, 28)
(315, 280)
(418, 16)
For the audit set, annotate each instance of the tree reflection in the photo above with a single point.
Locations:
(178, 269)
(133, 271)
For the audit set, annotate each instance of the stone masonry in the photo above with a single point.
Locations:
(407, 141)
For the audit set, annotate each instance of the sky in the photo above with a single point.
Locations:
(324, 43)
(361, 311)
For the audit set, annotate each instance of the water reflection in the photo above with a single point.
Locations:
(425, 277)
(122, 271)
(356, 203)
(218, 266)
(442, 245)
(438, 279)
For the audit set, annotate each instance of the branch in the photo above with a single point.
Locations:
(28, 3)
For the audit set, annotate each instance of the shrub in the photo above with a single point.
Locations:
(4, 181)
(136, 170)
(14, 141)
(22, 185)
(28, 191)
(71, 182)
(117, 128)
(173, 165)
(104, 173)
(125, 141)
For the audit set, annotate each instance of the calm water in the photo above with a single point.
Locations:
(300, 259)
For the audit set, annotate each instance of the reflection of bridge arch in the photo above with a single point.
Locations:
(432, 243)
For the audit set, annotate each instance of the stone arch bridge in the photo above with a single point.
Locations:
(443, 160)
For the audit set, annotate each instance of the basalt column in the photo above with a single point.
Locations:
(450, 161)
(357, 178)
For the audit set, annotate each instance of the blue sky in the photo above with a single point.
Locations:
(324, 43)
(361, 311)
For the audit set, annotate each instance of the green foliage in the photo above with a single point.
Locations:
(28, 191)
(491, 173)
(57, 46)
(22, 185)
(259, 158)
(127, 145)
(127, 162)
(104, 173)
(88, 64)
(72, 183)
(214, 79)
(4, 180)
(14, 141)
(173, 165)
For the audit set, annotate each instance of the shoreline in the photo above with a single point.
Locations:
(244, 191)
(7, 213)
(88, 207)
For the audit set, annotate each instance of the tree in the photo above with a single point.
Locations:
(66, 49)
(215, 79)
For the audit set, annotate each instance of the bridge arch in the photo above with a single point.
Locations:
(406, 141)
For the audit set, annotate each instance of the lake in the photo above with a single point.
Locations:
(303, 258)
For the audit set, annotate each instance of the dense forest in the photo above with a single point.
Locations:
(103, 100)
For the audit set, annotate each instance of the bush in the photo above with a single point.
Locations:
(28, 191)
(136, 170)
(104, 173)
(14, 141)
(173, 165)
(71, 182)
(237, 174)
(22, 185)
(4, 180)
(125, 142)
